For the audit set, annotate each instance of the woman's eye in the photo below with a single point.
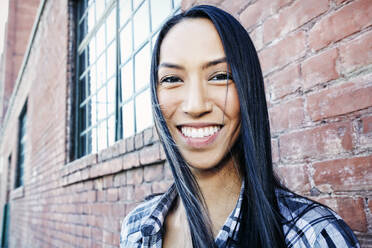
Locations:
(170, 79)
(221, 77)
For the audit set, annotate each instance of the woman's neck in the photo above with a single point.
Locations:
(220, 188)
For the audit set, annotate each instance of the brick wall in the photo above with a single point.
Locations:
(316, 61)
(19, 24)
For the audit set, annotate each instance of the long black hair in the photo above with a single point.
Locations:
(260, 225)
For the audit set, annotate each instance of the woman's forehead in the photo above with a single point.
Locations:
(192, 39)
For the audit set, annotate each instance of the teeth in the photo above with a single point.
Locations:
(199, 132)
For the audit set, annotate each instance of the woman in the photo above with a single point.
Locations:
(211, 115)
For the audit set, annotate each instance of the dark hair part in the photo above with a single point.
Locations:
(261, 221)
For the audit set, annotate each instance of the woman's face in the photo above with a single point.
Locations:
(197, 96)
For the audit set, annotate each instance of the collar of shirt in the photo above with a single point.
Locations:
(151, 227)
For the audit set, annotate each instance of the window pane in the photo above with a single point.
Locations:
(111, 25)
(88, 109)
(101, 71)
(126, 42)
(154, 40)
(94, 140)
(92, 80)
(91, 18)
(127, 81)
(82, 89)
(176, 3)
(160, 9)
(101, 104)
(111, 92)
(136, 3)
(111, 59)
(92, 112)
(91, 55)
(128, 119)
(125, 10)
(100, 8)
(141, 25)
(83, 29)
(101, 40)
(111, 130)
(82, 63)
(143, 111)
(102, 135)
(142, 70)
(83, 117)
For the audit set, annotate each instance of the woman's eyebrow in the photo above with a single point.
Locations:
(214, 62)
(205, 66)
(170, 65)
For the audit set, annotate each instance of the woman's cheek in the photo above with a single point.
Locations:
(167, 103)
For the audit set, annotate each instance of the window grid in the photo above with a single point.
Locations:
(22, 138)
(105, 94)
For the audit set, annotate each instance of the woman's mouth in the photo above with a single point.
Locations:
(199, 137)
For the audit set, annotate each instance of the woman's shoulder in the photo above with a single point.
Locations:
(143, 215)
(307, 223)
(131, 226)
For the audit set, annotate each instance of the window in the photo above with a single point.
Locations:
(22, 136)
(115, 41)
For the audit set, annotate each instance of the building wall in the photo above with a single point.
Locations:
(20, 20)
(316, 59)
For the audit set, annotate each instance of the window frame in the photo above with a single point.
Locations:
(81, 147)
(21, 150)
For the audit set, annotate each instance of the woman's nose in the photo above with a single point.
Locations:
(196, 101)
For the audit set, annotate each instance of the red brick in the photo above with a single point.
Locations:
(256, 37)
(317, 142)
(167, 171)
(141, 191)
(149, 154)
(367, 124)
(101, 195)
(292, 17)
(257, 12)
(120, 180)
(349, 19)
(287, 115)
(233, 7)
(112, 194)
(356, 53)
(283, 52)
(338, 2)
(153, 172)
(148, 137)
(319, 69)
(135, 176)
(108, 181)
(295, 177)
(349, 174)
(130, 160)
(339, 100)
(352, 211)
(284, 82)
(160, 186)
(129, 144)
(275, 150)
(138, 141)
(126, 193)
(116, 164)
(91, 196)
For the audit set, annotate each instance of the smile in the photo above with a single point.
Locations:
(199, 135)
(201, 132)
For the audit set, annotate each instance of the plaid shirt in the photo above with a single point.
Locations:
(305, 224)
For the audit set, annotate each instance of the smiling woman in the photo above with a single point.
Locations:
(210, 112)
